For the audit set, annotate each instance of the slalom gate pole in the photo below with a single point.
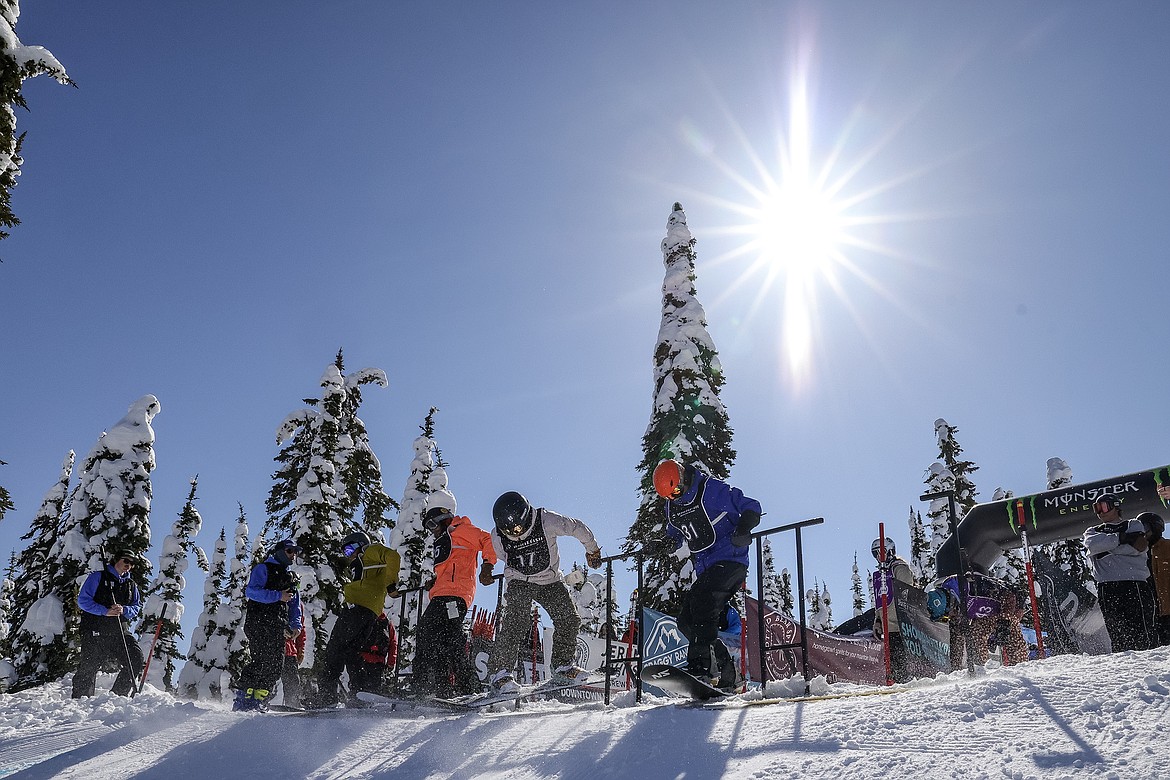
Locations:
(885, 595)
(1031, 581)
(157, 631)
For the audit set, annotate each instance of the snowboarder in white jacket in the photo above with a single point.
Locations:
(524, 539)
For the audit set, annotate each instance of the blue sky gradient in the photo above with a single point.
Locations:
(471, 197)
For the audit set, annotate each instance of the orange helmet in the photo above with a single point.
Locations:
(669, 479)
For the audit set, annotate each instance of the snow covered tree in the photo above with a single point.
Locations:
(858, 590)
(787, 603)
(17, 63)
(32, 578)
(6, 504)
(327, 473)
(426, 482)
(920, 561)
(688, 421)
(1010, 567)
(231, 623)
(947, 473)
(772, 582)
(166, 593)
(108, 510)
(1068, 554)
(820, 610)
(207, 660)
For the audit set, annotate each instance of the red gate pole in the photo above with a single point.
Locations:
(1031, 580)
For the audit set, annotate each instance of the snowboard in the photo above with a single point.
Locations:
(550, 688)
(674, 680)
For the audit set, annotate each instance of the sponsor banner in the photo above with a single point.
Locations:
(590, 654)
(837, 657)
(927, 643)
(665, 644)
(1069, 614)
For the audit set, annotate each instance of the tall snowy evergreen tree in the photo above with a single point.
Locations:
(858, 590)
(327, 473)
(1068, 554)
(207, 660)
(17, 63)
(33, 579)
(920, 561)
(167, 591)
(427, 481)
(948, 473)
(688, 420)
(108, 510)
(231, 623)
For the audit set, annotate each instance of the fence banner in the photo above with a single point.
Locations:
(927, 643)
(665, 644)
(838, 658)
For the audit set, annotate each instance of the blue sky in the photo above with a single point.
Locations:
(472, 197)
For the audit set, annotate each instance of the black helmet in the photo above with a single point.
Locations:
(1153, 522)
(355, 542)
(434, 517)
(513, 515)
(877, 546)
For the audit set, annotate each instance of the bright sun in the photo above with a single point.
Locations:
(797, 222)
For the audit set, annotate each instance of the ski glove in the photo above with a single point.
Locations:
(593, 558)
(743, 531)
(485, 574)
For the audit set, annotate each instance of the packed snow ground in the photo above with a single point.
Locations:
(1072, 716)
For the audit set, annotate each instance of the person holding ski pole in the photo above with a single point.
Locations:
(890, 568)
(712, 522)
(109, 602)
(525, 539)
(272, 613)
(441, 666)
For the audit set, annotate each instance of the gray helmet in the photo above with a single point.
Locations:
(876, 547)
(356, 541)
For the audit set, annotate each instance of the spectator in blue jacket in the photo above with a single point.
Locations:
(109, 603)
(714, 521)
(272, 615)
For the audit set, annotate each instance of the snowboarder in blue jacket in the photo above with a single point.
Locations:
(715, 521)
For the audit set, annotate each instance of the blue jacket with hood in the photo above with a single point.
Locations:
(705, 517)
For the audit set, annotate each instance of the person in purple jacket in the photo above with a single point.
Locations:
(715, 521)
(109, 603)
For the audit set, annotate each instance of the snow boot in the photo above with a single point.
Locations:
(503, 683)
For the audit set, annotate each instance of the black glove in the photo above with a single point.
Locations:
(743, 530)
(485, 574)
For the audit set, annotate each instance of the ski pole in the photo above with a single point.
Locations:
(157, 631)
(126, 650)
